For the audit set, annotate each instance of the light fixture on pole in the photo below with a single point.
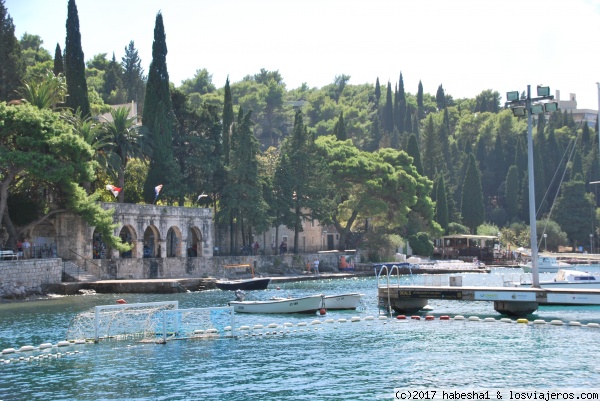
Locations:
(545, 247)
(520, 107)
(591, 243)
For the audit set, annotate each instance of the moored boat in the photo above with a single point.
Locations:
(573, 279)
(342, 301)
(546, 264)
(280, 305)
(259, 283)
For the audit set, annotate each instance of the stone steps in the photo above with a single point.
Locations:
(77, 274)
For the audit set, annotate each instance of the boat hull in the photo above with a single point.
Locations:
(244, 285)
(309, 304)
(342, 301)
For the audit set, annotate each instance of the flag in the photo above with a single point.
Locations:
(157, 191)
(114, 190)
(202, 195)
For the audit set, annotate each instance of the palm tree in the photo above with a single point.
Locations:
(128, 140)
(47, 93)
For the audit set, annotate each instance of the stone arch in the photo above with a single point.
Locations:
(129, 236)
(194, 242)
(174, 242)
(43, 240)
(151, 246)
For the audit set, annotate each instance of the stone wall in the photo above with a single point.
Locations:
(24, 277)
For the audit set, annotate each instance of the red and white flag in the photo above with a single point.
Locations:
(114, 190)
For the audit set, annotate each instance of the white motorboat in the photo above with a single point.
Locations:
(573, 279)
(342, 301)
(280, 305)
(546, 264)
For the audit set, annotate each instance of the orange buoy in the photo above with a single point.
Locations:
(121, 301)
(400, 317)
(416, 317)
(429, 317)
(322, 311)
(444, 317)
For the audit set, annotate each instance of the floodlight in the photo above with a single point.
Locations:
(550, 107)
(537, 108)
(512, 96)
(543, 90)
(519, 111)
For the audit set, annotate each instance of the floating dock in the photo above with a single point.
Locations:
(517, 301)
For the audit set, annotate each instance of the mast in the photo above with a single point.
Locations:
(532, 221)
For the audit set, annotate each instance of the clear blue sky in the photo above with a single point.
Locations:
(465, 45)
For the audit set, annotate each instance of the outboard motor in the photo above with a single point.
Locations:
(239, 295)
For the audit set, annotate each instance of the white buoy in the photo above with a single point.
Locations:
(369, 318)
(342, 320)
(474, 318)
(45, 345)
(329, 321)
(459, 317)
(506, 320)
(244, 328)
(27, 348)
(556, 322)
(288, 324)
(539, 321)
(301, 324)
(383, 317)
(63, 344)
(315, 322)
(258, 327)
(273, 325)
(355, 319)
(9, 351)
(574, 324)
(489, 319)
(594, 325)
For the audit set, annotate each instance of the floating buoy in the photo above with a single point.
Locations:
(416, 317)
(244, 328)
(459, 317)
(315, 322)
(594, 325)
(9, 351)
(506, 320)
(556, 322)
(27, 348)
(45, 345)
(429, 317)
(574, 324)
(400, 317)
(273, 326)
(489, 319)
(474, 318)
(121, 301)
(63, 344)
(444, 317)
(342, 320)
(539, 321)
(322, 311)
(369, 318)
(258, 327)
(382, 317)
(355, 319)
(288, 324)
(522, 321)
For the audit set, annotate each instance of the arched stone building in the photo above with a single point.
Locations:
(167, 242)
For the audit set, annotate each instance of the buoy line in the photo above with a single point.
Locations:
(48, 351)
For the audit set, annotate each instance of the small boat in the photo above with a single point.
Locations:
(258, 283)
(254, 283)
(546, 264)
(342, 301)
(308, 304)
(573, 279)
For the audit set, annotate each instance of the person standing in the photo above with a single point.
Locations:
(26, 249)
(316, 267)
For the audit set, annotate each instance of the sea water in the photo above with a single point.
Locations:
(340, 360)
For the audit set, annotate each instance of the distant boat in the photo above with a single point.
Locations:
(308, 304)
(342, 301)
(243, 284)
(573, 279)
(546, 264)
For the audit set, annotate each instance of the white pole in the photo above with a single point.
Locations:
(598, 117)
(532, 219)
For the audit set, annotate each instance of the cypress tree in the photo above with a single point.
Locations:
(441, 208)
(59, 64)
(372, 142)
(412, 148)
(340, 128)
(511, 194)
(75, 65)
(158, 117)
(228, 117)
(402, 110)
(471, 208)
(388, 111)
(12, 68)
(420, 103)
(440, 98)
(377, 93)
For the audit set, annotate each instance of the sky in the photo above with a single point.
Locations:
(466, 46)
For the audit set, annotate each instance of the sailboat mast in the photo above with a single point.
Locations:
(532, 219)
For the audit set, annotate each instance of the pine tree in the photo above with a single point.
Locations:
(471, 208)
(59, 64)
(402, 110)
(227, 121)
(440, 98)
(75, 65)
(375, 136)
(159, 119)
(12, 68)
(133, 74)
(112, 90)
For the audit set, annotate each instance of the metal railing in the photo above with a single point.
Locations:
(85, 264)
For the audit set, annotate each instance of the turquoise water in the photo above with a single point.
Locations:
(363, 360)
